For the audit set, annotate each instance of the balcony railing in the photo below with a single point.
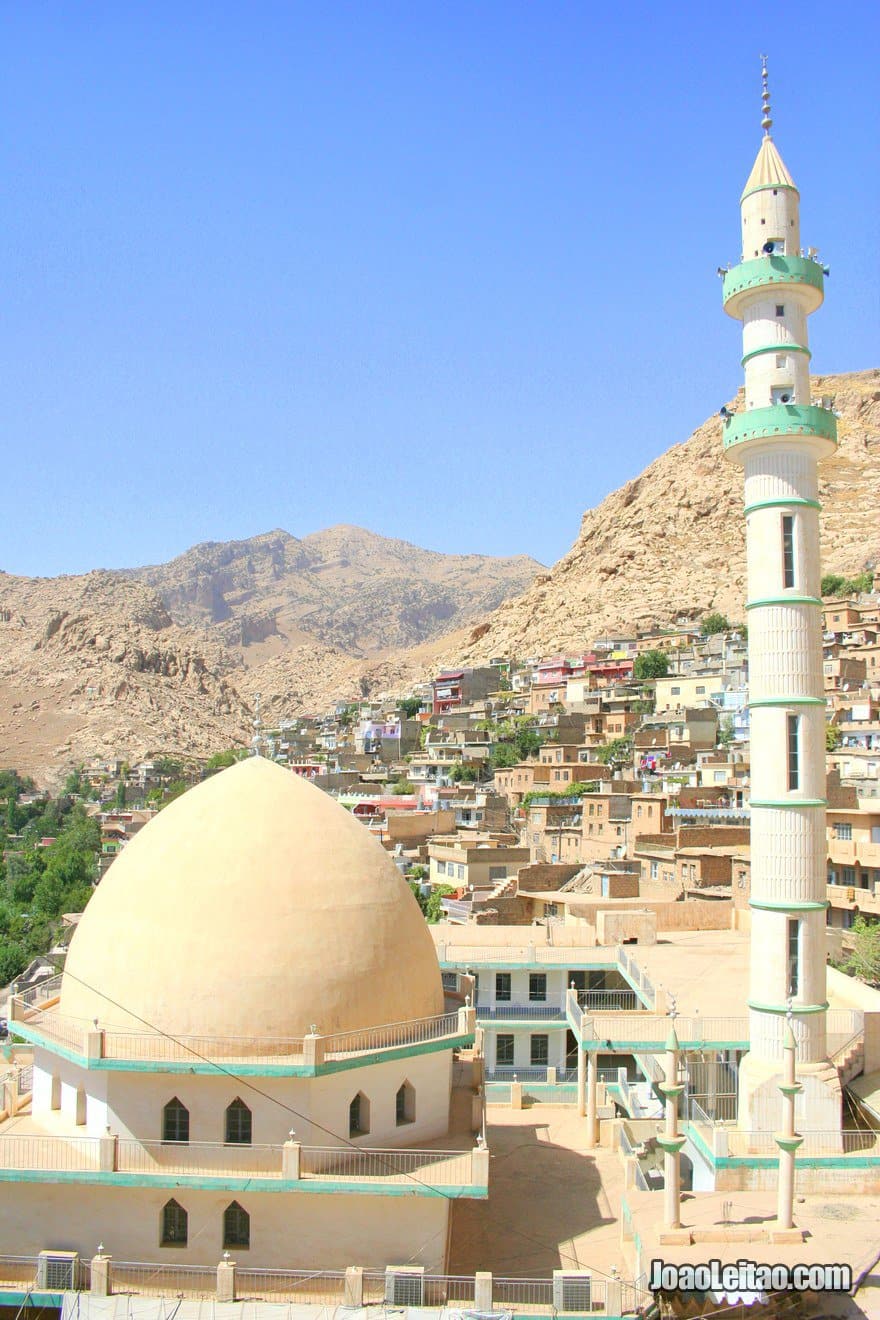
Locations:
(815, 1143)
(290, 1162)
(45, 1025)
(598, 1001)
(533, 1012)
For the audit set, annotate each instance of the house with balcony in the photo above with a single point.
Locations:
(853, 842)
(248, 1052)
(462, 687)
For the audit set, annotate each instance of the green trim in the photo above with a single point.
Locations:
(796, 501)
(794, 1088)
(765, 905)
(775, 348)
(54, 1301)
(781, 421)
(670, 1088)
(203, 1067)
(671, 1145)
(252, 1183)
(783, 600)
(782, 1009)
(786, 701)
(789, 803)
(789, 1143)
(775, 269)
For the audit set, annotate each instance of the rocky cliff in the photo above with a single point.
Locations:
(345, 587)
(671, 543)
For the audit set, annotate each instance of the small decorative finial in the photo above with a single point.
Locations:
(766, 121)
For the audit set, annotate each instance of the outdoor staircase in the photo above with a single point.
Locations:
(850, 1061)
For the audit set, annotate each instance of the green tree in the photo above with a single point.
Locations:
(421, 899)
(832, 737)
(503, 755)
(433, 910)
(463, 774)
(832, 584)
(401, 787)
(168, 767)
(714, 623)
(653, 664)
(725, 731)
(618, 752)
(74, 783)
(864, 961)
(119, 797)
(223, 760)
(410, 706)
(173, 791)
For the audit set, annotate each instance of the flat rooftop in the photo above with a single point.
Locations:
(706, 970)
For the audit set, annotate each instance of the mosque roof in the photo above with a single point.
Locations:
(254, 905)
(769, 169)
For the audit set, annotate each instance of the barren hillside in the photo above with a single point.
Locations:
(346, 587)
(672, 542)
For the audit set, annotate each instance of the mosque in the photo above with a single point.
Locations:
(247, 1050)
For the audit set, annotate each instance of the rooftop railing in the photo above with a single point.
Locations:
(95, 1042)
(584, 1294)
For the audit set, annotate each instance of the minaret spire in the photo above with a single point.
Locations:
(766, 121)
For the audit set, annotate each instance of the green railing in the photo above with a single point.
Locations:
(779, 421)
(772, 270)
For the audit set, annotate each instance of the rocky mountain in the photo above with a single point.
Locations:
(167, 659)
(671, 543)
(345, 587)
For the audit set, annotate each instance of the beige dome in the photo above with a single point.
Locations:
(253, 906)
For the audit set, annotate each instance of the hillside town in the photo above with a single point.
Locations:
(548, 986)
(532, 790)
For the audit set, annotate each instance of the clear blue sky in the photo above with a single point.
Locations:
(444, 270)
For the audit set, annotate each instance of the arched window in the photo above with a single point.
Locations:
(405, 1104)
(175, 1121)
(236, 1226)
(359, 1116)
(174, 1225)
(239, 1124)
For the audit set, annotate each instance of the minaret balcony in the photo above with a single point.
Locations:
(781, 421)
(776, 272)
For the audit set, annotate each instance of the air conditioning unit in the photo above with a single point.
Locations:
(572, 1290)
(405, 1285)
(57, 1271)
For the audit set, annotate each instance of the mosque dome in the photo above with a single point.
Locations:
(254, 905)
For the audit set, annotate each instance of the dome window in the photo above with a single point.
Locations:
(239, 1124)
(175, 1225)
(236, 1226)
(359, 1116)
(175, 1121)
(405, 1105)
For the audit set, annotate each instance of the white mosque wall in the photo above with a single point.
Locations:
(131, 1103)
(288, 1230)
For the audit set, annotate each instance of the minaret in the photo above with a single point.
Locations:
(778, 438)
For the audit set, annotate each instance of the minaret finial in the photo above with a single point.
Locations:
(766, 121)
